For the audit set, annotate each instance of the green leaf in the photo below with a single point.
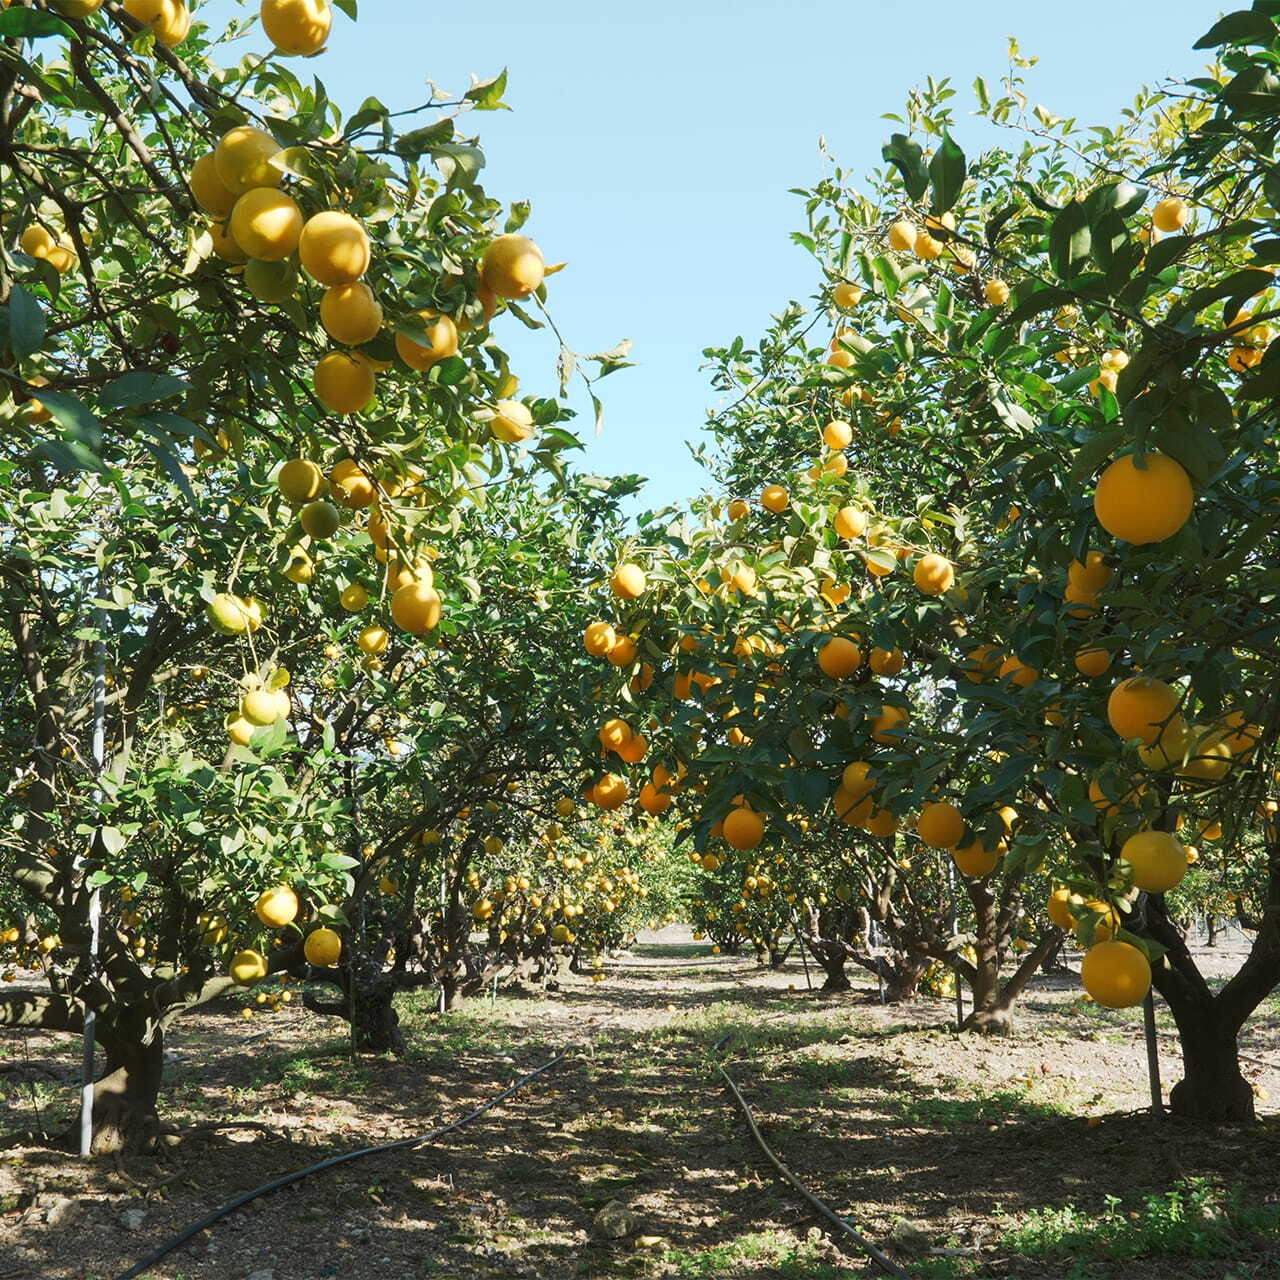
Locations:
(80, 422)
(31, 24)
(349, 7)
(486, 95)
(1239, 285)
(1091, 454)
(26, 323)
(140, 387)
(1243, 27)
(1046, 298)
(1165, 253)
(112, 839)
(1123, 198)
(459, 163)
(370, 111)
(947, 170)
(173, 468)
(338, 862)
(419, 141)
(908, 159)
(1070, 241)
(1254, 93)
(71, 455)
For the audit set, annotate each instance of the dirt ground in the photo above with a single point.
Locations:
(962, 1157)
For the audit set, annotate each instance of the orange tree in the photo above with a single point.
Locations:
(451, 751)
(232, 317)
(1036, 460)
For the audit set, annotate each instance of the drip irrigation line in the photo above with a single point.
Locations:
(840, 1224)
(401, 1144)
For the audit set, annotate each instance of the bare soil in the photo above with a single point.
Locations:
(885, 1113)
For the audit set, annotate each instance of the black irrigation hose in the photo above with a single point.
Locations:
(232, 1205)
(882, 1260)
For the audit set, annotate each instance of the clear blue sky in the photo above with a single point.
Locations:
(657, 142)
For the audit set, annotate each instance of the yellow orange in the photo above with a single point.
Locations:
(1143, 500)
(334, 248)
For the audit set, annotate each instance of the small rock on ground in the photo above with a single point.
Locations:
(615, 1220)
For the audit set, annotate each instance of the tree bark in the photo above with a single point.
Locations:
(832, 956)
(375, 1022)
(1211, 1087)
(992, 1013)
(1209, 1023)
(125, 1099)
(902, 978)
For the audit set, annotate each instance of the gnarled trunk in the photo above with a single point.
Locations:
(994, 1019)
(902, 977)
(125, 1116)
(831, 957)
(375, 1022)
(1211, 1087)
(992, 1013)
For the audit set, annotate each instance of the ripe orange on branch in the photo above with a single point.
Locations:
(934, 575)
(1116, 974)
(628, 582)
(975, 859)
(1140, 707)
(351, 314)
(266, 224)
(512, 421)
(941, 824)
(243, 160)
(277, 907)
(1143, 500)
(169, 19)
(743, 828)
(334, 248)
(248, 967)
(322, 948)
(775, 498)
(442, 335)
(599, 638)
(513, 267)
(839, 657)
(850, 523)
(297, 28)
(416, 608)
(345, 381)
(1157, 859)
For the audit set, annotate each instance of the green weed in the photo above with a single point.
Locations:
(778, 1250)
(1191, 1219)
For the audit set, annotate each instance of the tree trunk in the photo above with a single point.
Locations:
(1211, 1087)
(125, 1117)
(995, 1019)
(1209, 1022)
(993, 1003)
(902, 978)
(991, 1014)
(832, 958)
(376, 1023)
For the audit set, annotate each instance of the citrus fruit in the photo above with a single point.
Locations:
(512, 266)
(334, 248)
(297, 28)
(1143, 500)
(1116, 974)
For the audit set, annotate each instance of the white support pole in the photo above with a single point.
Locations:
(99, 748)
